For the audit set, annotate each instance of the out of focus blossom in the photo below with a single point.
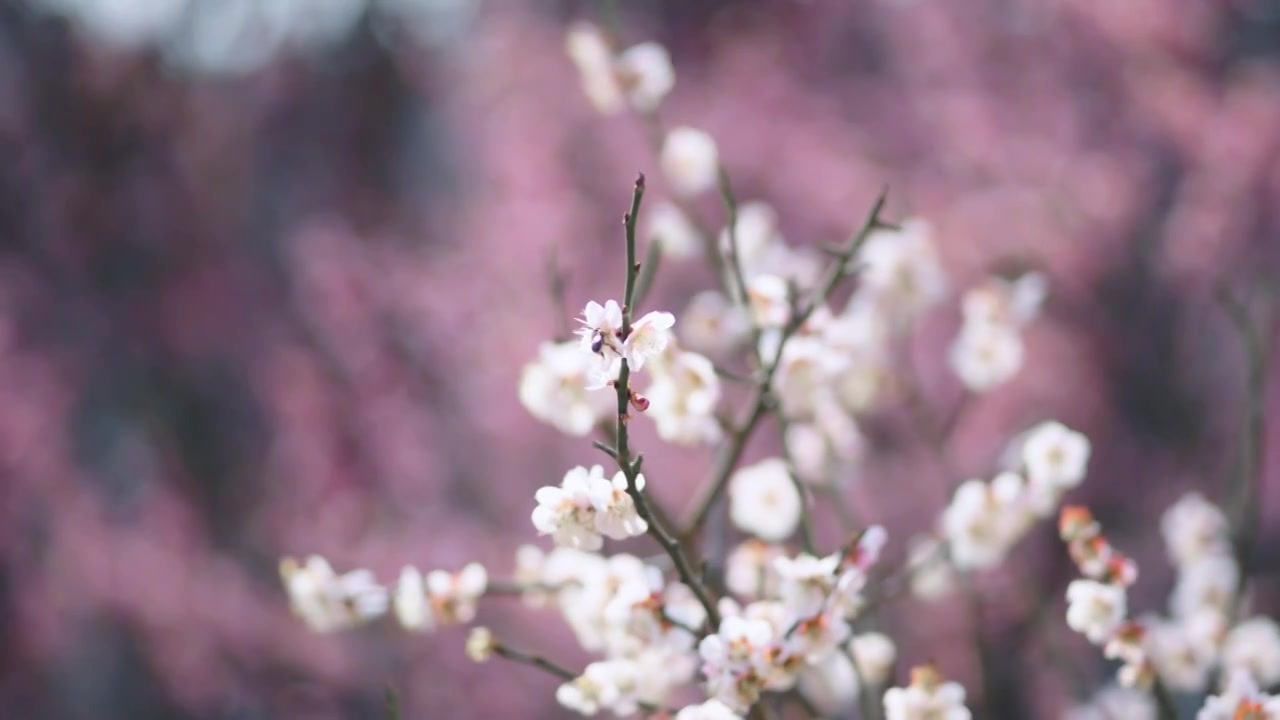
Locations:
(1254, 646)
(830, 684)
(553, 388)
(1115, 703)
(709, 710)
(1096, 609)
(983, 521)
(751, 569)
(683, 398)
(689, 161)
(671, 229)
(1194, 528)
(1055, 456)
(928, 696)
(327, 601)
(901, 269)
(764, 501)
(453, 596)
(480, 644)
(1242, 700)
(931, 574)
(875, 654)
(712, 324)
(645, 73)
(409, 600)
(985, 355)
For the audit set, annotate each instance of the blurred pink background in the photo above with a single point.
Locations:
(282, 309)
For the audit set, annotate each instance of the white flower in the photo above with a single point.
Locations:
(554, 389)
(480, 644)
(1242, 700)
(732, 659)
(830, 684)
(983, 521)
(1011, 303)
(453, 596)
(769, 300)
(806, 582)
(1192, 528)
(566, 512)
(531, 563)
(1209, 582)
(595, 690)
(984, 356)
(875, 654)
(927, 698)
(616, 515)
(1181, 658)
(672, 231)
(683, 398)
(690, 161)
(1115, 703)
(749, 569)
(589, 50)
(1055, 455)
(901, 269)
(712, 324)
(649, 337)
(709, 710)
(764, 501)
(326, 601)
(410, 601)
(1254, 645)
(601, 335)
(1096, 609)
(646, 75)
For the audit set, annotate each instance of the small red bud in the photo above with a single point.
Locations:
(639, 402)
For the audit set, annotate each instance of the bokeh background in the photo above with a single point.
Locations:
(269, 270)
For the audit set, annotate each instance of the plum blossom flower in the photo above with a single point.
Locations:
(875, 654)
(984, 520)
(1209, 582)
(586, 506)
(1113, 703)
(1254, 646)
(480, 644)
(553, 388)
(671, 229)
(830, 684)
(928, 696)
(641, 75)
(709, 710)
(731, 659)
(750, 569)
(1095, 609)
(985, 356)
(649, 337)
(409, 600)
(1055, 456)
(690, 161)
(453, 596)
(712, 324)
(1242, 700)
(1182, 659)
(683, 398)
(1193, 528)
(326, 601)
(644, 71)
(764, 501)
(901, 268)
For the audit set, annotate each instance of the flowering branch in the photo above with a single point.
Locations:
(728, 458)
(622, 450)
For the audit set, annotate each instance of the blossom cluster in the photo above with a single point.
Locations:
(326, 601)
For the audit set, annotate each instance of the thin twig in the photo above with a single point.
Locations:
(537, 661)
(630, 466)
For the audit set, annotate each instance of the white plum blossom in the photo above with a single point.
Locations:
(589, 50)
(712, 324)
(1194, 528)
(806, 582)
(830, 684)
(553, 388)
(671, 229)
(763, 500)
(480, 644)
(709, 710)
(1115, 703)
(598, 688)
(875, 654)
(409, 600)
(769, 298)
(732, 659)
(1055, 456)
(927, 697)
(644, 71)
(750, 569)
(1182, 658)
(985, 356)
(641, 75)
(601, 335)
(1254, 646)
(690, 161)
(1095, 609)
(901, 270)
(1242, 700)
(984, 520)
(585, 506)
(648, 339)
(453, 596)
(1207, 583)
(683, 397)
(1005, 302)
(326, 601)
